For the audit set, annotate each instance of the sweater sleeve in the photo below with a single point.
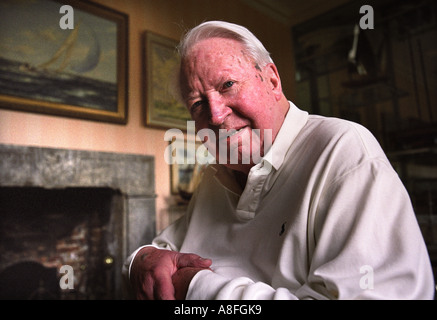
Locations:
(169, 239)
(207, 285)
(367, 245)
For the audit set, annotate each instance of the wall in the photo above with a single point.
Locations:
(168, 18)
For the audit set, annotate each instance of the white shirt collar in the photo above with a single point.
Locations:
(294, 121)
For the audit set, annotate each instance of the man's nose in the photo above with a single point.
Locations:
(218, 111)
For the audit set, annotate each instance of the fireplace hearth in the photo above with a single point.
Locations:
(87, 210)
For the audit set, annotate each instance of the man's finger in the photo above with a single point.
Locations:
(163, 288)
(144, 288)
(185, 260)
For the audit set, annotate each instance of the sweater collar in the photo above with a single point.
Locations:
(293, 123)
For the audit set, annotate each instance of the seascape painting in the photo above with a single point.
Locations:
(76, 70)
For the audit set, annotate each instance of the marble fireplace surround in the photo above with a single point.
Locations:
(131, 175)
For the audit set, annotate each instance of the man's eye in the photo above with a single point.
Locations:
(195, 106)
(228, 84)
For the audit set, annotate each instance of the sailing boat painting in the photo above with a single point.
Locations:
(79, 71)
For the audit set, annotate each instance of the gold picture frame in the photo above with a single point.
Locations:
(163, 108)
(184, 176)
(76, 70)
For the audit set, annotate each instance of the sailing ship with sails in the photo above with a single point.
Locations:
(63, 57)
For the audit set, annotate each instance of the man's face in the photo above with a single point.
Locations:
(224, 89)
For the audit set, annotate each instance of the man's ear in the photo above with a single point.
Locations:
(274, 80)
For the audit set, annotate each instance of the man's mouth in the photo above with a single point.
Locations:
(224, 134)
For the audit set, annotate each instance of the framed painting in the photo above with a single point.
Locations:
(163, 108)
(184, 177)
(64, 58)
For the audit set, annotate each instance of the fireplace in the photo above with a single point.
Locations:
(80, 209)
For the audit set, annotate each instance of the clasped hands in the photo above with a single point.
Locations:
(164, 275)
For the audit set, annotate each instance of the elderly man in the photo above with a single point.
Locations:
(329, 219)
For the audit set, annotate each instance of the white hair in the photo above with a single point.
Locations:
(221, 29)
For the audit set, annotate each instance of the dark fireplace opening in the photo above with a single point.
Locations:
(42, 230)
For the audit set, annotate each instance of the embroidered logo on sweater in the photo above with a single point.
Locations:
(282, 229)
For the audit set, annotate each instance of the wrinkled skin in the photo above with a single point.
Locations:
(224, 89)
(164, 275)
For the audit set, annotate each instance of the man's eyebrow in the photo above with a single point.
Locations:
(192, 96)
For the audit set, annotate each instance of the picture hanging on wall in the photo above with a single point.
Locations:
(64, 58)
(185, 175)
(163, 108)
